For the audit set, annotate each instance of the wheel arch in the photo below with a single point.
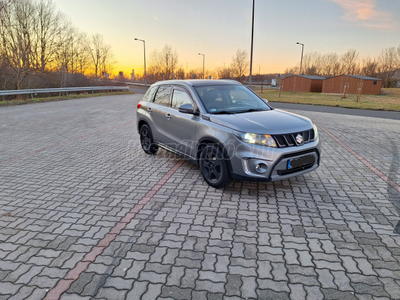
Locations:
(212, 141)
(141, 123)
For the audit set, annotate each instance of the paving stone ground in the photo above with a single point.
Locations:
(73, 171)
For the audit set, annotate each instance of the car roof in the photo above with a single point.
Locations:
(200, 82)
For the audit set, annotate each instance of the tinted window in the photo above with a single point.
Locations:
(180, 97)
(149, 96)
(163, 95)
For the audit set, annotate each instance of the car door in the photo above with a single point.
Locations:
(162, 102)
(181, 127)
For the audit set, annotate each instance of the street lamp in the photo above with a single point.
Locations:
(204, 57)
(302, 50)
(144, 54)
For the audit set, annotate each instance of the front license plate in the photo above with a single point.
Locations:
(300, 162)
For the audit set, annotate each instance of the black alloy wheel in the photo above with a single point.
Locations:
(146, 140)
(214, 166)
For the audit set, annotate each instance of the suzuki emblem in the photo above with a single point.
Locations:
(299, 139)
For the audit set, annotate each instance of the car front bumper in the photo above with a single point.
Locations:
(260, 163)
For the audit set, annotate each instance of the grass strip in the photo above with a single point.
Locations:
(389, 100)
(58, 98)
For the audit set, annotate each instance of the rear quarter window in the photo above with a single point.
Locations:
(149, 95)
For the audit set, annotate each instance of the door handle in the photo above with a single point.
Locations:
(149, 109)
(168, 116)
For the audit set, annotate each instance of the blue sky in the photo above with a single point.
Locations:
(218, 28)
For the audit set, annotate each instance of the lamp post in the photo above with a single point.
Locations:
(144, 55)
(251, 49)
(302, 50)
(204, 57)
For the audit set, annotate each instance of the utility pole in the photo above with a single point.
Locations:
(251, 49)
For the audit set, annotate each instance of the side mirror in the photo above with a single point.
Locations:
(265, 100)
(186, 108)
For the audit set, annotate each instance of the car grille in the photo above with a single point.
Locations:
(289, 140)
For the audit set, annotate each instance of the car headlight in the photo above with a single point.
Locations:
(315, 131)
(257, 139)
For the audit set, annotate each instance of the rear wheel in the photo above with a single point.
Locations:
(146, 140)
(214, 166)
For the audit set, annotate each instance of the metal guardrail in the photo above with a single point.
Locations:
(63, 90)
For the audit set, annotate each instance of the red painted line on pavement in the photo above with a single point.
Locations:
(65, 283)
(364, 161)
(65, 142)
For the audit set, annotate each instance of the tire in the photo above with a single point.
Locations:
(146, 140)
(214, 166)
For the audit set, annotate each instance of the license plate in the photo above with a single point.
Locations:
(300, 162)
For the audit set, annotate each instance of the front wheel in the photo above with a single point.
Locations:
(214, 166)
(146, 140)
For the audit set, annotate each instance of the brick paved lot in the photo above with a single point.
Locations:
(85, 214)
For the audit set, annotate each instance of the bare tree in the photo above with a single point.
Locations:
(240, 64)
(17, 34)
(225, 73)
(163, 64)
(180, 73)
(195, 74)
(50, 29)
(319, 64)
(330, 65)
(65, 55)
(94, 45)
(349, 62)
(100, 53)
(369, 67)
(311, 63)
(292, 71)
(82, 57)
(389, 63)
(386, 66)
(37, 43)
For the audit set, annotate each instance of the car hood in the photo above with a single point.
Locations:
(264, 122)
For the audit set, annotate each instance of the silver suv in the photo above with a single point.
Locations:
(228, 130)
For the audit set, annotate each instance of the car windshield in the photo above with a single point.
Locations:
(230, 99)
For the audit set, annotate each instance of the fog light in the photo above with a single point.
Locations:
(261, 168)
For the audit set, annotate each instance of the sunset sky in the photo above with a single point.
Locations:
(218, 28)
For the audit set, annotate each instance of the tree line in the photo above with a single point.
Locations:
(40, 47)
(164, 65)
(385, 66)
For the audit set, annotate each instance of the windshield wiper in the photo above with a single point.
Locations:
(223, 112)
(249, 110)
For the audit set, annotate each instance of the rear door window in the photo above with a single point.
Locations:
(163, 95)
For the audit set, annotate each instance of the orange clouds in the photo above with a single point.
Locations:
(364, 13)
